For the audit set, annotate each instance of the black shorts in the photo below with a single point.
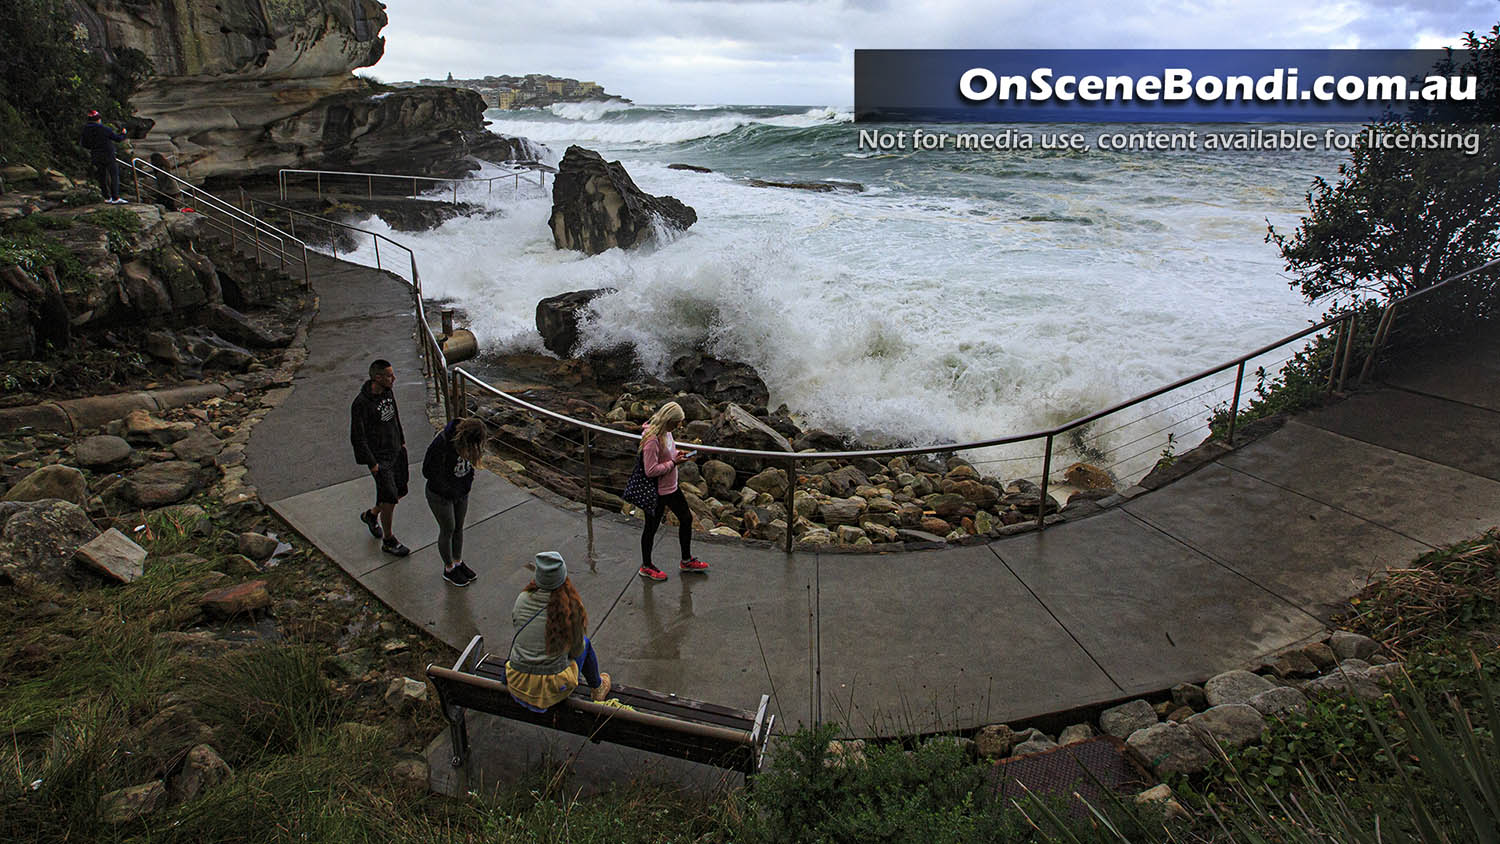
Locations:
(390, 481)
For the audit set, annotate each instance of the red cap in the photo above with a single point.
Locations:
(94, 113)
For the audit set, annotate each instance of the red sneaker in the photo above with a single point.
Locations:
(652, 574)
(694, 564)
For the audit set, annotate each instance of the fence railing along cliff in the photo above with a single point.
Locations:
(452, 386)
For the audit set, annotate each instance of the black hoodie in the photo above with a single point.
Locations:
(448, 475)
(375, 427)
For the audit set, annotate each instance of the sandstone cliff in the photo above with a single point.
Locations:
(246, 87)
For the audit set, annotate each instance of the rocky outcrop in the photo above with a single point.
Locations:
(596, 206)
(557, 318)
(247, 87)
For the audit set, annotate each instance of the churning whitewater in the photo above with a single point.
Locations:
(956, 296)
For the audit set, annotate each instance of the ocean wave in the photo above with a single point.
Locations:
(591, 110)
(650, 126)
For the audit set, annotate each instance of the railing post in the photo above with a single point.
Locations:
(1234, 406)
(414, 188)
(377, 253)
(588, 486)
(1380, 332)
(791, 502)
(306, 274)
(369, 187)
(1338, 351)
(136, 174)
(1348, 353)
(320, 186)
(455, 193)
(255, 233)
(1041, 504)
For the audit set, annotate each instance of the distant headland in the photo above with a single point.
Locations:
(534, 90)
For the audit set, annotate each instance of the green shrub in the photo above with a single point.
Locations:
(49, 80)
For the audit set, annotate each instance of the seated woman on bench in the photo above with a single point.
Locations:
(549, 653)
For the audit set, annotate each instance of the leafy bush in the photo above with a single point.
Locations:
(933, 794)
(49, 80)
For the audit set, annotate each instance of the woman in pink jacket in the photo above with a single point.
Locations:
(660, 458)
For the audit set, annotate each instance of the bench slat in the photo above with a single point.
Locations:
(697, 742)
(648, 700)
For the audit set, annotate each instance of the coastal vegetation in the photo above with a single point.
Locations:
(1396, 221)
(108, 685)
(49, 80)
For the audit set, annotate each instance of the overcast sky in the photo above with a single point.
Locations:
(801, 52)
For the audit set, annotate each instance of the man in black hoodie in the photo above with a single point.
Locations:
(100, 140)
(380, 446)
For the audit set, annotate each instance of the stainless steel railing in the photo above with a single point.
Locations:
(516, 174)
(222, 216)
(451, 385)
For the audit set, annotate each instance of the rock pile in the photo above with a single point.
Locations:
(1185, 733)
(860, 503)
(137, 267)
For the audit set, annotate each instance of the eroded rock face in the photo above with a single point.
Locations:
(246, 87)
(596, 206)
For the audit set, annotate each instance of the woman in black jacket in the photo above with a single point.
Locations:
(449, 469)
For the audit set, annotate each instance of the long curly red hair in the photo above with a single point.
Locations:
(566, 616)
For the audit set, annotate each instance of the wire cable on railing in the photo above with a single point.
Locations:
(1005, 460)
(1224, 386)
(1162, 430)
(1184, 434)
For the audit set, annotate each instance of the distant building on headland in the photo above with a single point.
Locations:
(534, 90)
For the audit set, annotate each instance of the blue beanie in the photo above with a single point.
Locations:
(551, 571)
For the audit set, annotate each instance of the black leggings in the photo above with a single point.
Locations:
(684, 516)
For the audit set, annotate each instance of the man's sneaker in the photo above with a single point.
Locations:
(455, 576)
(652, 574)
(694, 564)
(468, 573)
(372, 522)
(394, 547)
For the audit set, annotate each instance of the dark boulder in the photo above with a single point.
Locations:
(720, 380)
(557, 318)
(596, 206)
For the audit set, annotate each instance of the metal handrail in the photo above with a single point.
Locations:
(512, 173)
(451, 385)
(434, 361)
(203, 198)
(292, 213)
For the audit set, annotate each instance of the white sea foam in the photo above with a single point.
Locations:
(671, 126)
(952, 300)
(591, 110)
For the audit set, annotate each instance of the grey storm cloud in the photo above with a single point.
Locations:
(801, 51)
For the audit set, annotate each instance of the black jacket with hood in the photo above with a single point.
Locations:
(375, 427)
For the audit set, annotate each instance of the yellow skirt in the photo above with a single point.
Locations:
(542, 691)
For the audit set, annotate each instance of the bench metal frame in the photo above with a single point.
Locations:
(721, 736)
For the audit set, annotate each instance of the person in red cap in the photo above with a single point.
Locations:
(100, 140)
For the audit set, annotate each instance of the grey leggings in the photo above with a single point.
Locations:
(449, 513)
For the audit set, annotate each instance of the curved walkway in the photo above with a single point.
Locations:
(1240, 558)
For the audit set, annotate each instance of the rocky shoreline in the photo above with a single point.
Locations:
(854, 504)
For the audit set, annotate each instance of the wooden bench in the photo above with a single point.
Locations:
(660, 723)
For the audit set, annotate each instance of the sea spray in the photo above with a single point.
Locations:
(959, 297)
